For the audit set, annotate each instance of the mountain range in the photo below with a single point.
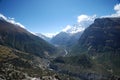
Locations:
(23, 55)
(92, 54)
(66, 39)
(102, 36)
(96, 55)
(43, 37)
(19, 38)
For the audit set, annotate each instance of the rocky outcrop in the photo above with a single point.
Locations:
(101, 36)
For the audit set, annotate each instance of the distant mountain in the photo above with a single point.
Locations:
(96, 56)
(14, 36)
(79, 27)
(68, 38)
(43, 37)
(23, 55)
(76, 28)
(61, 38)
(103, 35)
(74, 39)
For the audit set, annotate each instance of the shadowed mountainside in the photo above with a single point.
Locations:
(19, 38)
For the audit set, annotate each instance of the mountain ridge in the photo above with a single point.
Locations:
(96, 56)
(19, 38)
(103, 32)
(43, 37)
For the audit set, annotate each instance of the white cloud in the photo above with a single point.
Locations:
(11, 20)
(76, 29)
(83, 18)
(2, 17)
(117, 8)
(117, 12)
(83, 21)
(67, 28)
(50, 35)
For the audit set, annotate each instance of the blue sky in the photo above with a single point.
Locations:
(51, 16)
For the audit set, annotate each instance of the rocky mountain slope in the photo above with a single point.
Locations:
(18, 65)
(96, 56)
(65, 39)
(102, 36)
(24, 56)
(19, 38)
(43, 37)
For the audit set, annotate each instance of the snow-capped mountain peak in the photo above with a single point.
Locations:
(83, 22)
(75, 29)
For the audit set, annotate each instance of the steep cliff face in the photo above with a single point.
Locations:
(103, 35)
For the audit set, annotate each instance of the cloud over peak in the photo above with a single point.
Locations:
(83, 21)
(83, 18)
(11, 20)
(67, 28)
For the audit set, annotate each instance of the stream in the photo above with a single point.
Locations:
(66, 52)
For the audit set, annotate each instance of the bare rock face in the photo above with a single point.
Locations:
(103, 35)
